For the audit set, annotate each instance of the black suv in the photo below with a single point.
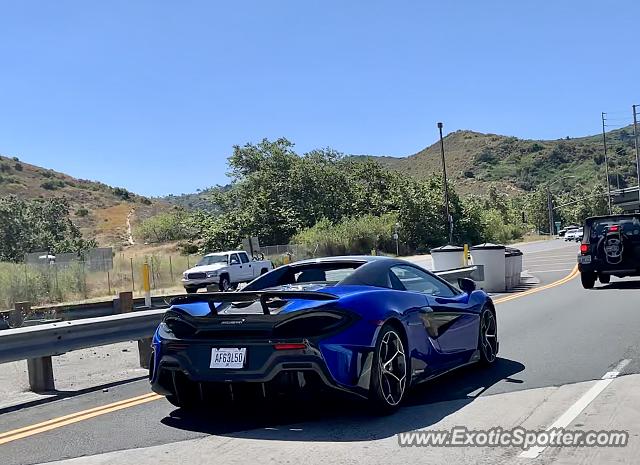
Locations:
(610, 246)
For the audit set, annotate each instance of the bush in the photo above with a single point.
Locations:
(17, 167)
(358, 235)
(82, 212)
(52, 185)
(166, 227)
(5, 168)
(122, 193)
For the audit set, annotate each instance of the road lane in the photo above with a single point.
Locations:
(557, 336)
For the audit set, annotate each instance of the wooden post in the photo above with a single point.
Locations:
(124, 302)
(16, 317)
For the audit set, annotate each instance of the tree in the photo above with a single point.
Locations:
(37, 225)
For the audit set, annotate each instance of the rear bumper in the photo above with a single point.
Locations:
(263, 365)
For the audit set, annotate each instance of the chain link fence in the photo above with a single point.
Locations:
(94, 276)
(100, 273)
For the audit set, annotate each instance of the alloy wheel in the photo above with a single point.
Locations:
(488, 336)
(393, 368)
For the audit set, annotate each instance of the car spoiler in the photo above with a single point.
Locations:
(249, 296)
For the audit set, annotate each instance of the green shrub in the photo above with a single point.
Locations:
(359, 235)
(17, 167)
(82, 212)
(53, 185)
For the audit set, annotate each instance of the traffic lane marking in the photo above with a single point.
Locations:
(578, 406)
(55, 423)
(566, 279)
(550, 271)
(77, 417)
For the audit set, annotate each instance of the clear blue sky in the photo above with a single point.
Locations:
(151, 95)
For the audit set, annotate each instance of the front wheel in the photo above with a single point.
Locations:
(191, 290)
(389, 371)
(488, 338)
(588, 279)
(225, 284)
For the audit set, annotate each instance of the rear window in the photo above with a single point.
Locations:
(628, 225)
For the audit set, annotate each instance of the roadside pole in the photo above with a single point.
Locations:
(550, 207)
(146, 283)
(635, 136)
(446, 187)
(606, 162)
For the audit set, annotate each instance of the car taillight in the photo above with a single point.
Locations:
(584, 249)
(290, 346)
(614, 228)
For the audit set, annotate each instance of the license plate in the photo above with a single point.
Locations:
(584, 259)
(228, 358)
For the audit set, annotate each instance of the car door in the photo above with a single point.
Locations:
(448, 319)
(235, 268)
(247, 268)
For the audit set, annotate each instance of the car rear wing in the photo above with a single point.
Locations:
(264, 297)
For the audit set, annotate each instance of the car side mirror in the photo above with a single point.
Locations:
(467, 285)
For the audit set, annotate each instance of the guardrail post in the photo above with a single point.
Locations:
(144, 349)
(16, 316)
(123, 303)
(40, 374)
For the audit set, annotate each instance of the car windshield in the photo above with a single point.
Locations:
(211, 259)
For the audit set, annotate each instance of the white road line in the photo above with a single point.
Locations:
(576, 409)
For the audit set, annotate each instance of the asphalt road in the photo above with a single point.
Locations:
(557, 336)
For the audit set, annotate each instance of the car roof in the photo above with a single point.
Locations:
(212, 254)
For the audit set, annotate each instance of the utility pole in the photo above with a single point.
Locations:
(635, 136)
(446, 187)
(606, 162)
(550, 207)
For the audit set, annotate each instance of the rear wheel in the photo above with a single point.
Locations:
(191, 290)
(588, 279)
(389, 371)
(488, 337)
(604, 278)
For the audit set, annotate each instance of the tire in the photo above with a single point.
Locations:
(588, 279)
(190, 406)
(488, 344)
(191, 290)
(263, 271)
(390, 373)
(604, 278)
(225, 284)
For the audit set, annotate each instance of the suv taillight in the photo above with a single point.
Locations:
(584, 249)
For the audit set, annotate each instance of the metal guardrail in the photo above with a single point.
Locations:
(39, 343)
(475, 272)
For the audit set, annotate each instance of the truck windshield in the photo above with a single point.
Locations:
(211, 259)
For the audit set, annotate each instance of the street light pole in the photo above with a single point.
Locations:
(606, 162)
(635, 136)
(446, 187)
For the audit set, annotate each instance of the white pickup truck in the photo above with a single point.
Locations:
(224, 269)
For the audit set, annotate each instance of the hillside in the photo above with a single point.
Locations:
(475, 159)
(100, 211)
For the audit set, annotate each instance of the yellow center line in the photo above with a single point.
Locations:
(566, 279)
(77, 417)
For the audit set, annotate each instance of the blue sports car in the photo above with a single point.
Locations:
(369, 326)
